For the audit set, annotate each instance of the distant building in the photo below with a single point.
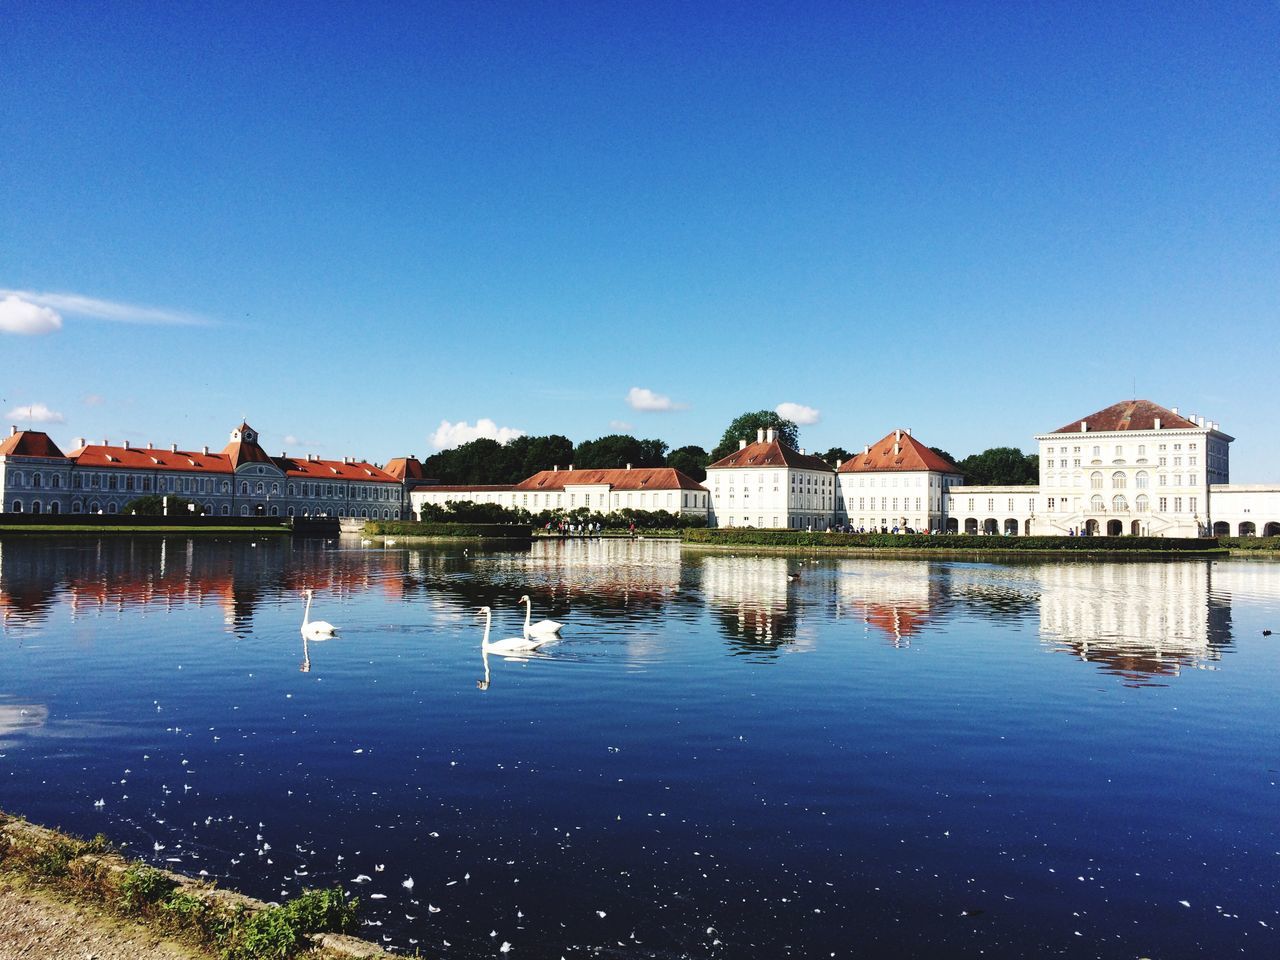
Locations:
(240, 481)
(896, 482)
(770, 484)
(599, 491)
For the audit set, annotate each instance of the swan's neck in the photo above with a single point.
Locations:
(306, 614)
(488, 619)
(528, 614)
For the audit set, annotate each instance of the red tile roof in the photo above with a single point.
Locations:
(406, 468)
(771, 453)
(147, 458)
(239, 452)
(29, 443)
(639, 478)
(911, 455)
(358, 472)
(1130, 415)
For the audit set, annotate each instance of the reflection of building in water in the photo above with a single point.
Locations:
(752, 600)
(110, 574)
(888, 596)
(1137, 620)
(633, 571)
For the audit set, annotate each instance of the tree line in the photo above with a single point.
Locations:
(486, 461)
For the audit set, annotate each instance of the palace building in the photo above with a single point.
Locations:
(769, 484)
(241, 480)
(896, 482)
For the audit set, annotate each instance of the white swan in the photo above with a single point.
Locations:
(543, 628)
(510, 644)
(315, 629)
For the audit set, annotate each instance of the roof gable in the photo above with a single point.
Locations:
(1130, 415)
(771, 453)
(898, 451)
(29, 443)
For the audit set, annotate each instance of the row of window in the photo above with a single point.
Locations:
(94, 506)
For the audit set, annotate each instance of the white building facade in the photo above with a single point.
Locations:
(769, 484)
(897, 482)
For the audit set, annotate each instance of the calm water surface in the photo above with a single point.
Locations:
(880, 759)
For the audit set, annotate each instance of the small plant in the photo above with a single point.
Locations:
(52, 862)
(142, 886)
(270, 934)
(324, 910)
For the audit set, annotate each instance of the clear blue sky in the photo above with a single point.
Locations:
(978, 221)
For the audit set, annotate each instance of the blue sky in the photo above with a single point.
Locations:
(353, 222)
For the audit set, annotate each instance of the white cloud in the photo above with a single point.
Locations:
(621, 425)
(450, 435)
(21, 316)
(797, 413)
(77, 305)
(642, 398)
(291, 440)
(94, 399)
(35, 413)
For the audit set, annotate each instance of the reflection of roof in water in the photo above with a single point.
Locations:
(898, 621)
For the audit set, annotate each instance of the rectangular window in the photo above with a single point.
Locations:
(1051, 503)
(1177, 504)
(1164, 504)
(1011, 504)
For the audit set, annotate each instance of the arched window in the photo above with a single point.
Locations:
(1119, 504)
(17, 478)
(1096, 505)
(1140, 504)
(56, 482)
(290, 511)
(292, 492)
(261, 488)
(112, 507)
(95, 507)
(226, 486)
(55, 507)
(275, 511)
(244, 487)
(364, 514)
(275, 488)
(35, 506)
(17, 506)
(1141, 480)
(244, 509)
(1118, 480)
(36, 480)
(208, 509)
(1095, 480)
(77, 506)
(226, 509)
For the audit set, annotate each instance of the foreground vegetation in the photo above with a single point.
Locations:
(478, 513)
(418, 528)
(745, 536)
(1252, 544)
(226, 925)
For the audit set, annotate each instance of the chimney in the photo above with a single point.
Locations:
(839, 462)
(1200, 421)
(1084, 426)
(150, 445)
(556, 468)
(126, 444)
(173, 448)
(802, 453)
(770, 434)
(1157, 423)
(897, 435)
(13, 430)
(571, 466)
(866, 449)
(628, 466)
(204, 451)
(908, 431)
(742, 444)
(897, 448)
(1175, 411)
(80, 442)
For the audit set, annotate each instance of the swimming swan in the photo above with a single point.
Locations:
(543, 628)
(510, 644)
(315, 629)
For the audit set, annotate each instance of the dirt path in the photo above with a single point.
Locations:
(34, 925)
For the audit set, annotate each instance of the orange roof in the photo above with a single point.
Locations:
(359, 471)
(1130, 415)
(771, 453)
(29, 443)
(147, 458)
(240, 452)
(911, 454)
(639, 478)
(406, 468)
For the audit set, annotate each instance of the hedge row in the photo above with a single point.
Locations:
(1251, 543)
(415, 528)
(740, 536)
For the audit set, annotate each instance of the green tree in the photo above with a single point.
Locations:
(834, 454)
(1001, 466)
(615, 451)
(690, 460)
(944, 455)
(744, 427)
(529, 455)
(152, 505)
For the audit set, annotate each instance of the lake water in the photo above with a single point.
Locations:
(881, 758)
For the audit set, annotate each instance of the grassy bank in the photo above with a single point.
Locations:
(1251, 545)
(799, 539)
(429, 530)
(220, 923)
(133, 529)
